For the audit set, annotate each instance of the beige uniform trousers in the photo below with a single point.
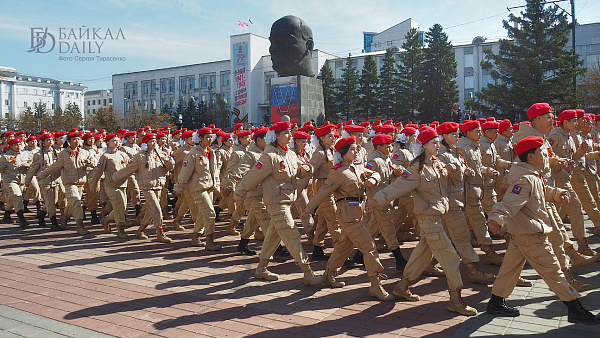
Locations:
(91, 197)
(74, 208)
(206, 213)
(381, 221)
(592, 181)
(133, 190)
(588, 202)
(14, 196)
(558, 237)
(62, 197)
(153, 212)
(33, 192)
(282, 228)
(403, 216)
(119, 204)
(536, 249)
(573, 210)
(327, 221)
(50, 195)
(434, 242)
(257, 216)
(308, 223)
(188, 204)
(475, 217)
(356, 235)
(229, 204)
(489, 199)
(458, 230)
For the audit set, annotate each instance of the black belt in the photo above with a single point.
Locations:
(352, 199)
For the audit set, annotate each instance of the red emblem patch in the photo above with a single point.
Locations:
(395, 156)
(551, 141)
(336, 167)
(405, 174)
(259, 165)
(517, 189)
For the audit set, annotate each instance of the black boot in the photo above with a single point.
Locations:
(40, 214)
(318, 254)
(25, 207)
(22, 222)
(217, 212)
(1, 205)
(243, 247)
(281, 251)
(400, 261)
(578, 314)
(173, 201)
(95, 219)
(358, 258)
(497, 306)
(6, 219)
(84, 209)
(138, 209)
(55, 226)
(349, 263)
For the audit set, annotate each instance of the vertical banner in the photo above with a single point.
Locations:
(284, 98)
(240, 92)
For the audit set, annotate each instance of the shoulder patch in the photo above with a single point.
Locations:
(405, 174)
(259, 164)
(395, 156)
(517, 189)
(185, 163)
(551, 141)
(98, 165)
(369, 165)
(336, 167)
(131, 161)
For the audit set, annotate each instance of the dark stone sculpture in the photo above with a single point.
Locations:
(291, 46)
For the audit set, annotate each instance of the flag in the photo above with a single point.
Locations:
(245, 23)
(250, 21)
(240, 23)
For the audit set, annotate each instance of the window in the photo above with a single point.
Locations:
(468, 60)
(469, 82)
(93, 102)
(183, 84)
(110, 101)
(204, 82)
(153, 87)
(93, 111)
(146, 87)
(53, 106)
(192, 83)
(134, 89)
(104, 102)
(89, 102)
(76, 95)
(145, 105)
(35, 92)
(163, 86)
(226, 97)
(487, 79)
(172, 85)
(172, 101)
(213, 81)
(225, 78)
(25, 104)
(6, 102)
(44, 93)
(389, 43)
(153, 104)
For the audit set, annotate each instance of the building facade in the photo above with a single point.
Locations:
(18, 92)
(96, 99)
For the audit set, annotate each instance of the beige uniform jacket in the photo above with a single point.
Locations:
(222, 155)
(198, 171)
(491, 159)
(130, 149)
(235, 158)
(42, 159)
(402, 158)
(456, 178)
(345, 180)
(73, 167)
(472, 154)
(588, 160)
(523, 207)
(563, 146)
(381, 164)
(149, 168)
(506, 152)
(278, 170)
(550, 158)
(108, 164)
(13, 166)
(247, 162)
(429, 188)
(178, 156)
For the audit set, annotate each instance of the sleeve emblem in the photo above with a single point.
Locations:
(405, 174)
(259, 165)
(185, 163)
(517, 189)
(395, 157)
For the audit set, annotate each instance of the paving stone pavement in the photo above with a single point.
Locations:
(62, 284)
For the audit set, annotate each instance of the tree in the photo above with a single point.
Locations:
(368, 102)
(28, 120)
(410, 77)
(329, 92)
(532, 65)
(103, 118)
(440, 91)
(347, 91)
(589, 87)
(388, 87)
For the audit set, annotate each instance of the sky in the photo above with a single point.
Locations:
(166, 33)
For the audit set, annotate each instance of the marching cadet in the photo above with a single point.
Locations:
(72, 162)
(222, 155)
(427, 177)
(347, 181)
(504, 146)
(91, 192)
(162, 140)
(150, 165)
(469, 149)
(130, 147)
(298, 145)
(185, 201)
(523, 212)
(254, 198)
(591, 168)
(454, 220)
(541, 124)
(358, 133)
(198, 171)
(13, 167)
(43, 158)
(491, 159)
(563, 145)
(33, 189)
(381, 216)
(278, 170)
(109, 163)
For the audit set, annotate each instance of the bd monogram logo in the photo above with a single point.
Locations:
(41, 40)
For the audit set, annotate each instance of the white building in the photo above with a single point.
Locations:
(392, 37)
(17, 92)
(96, 99)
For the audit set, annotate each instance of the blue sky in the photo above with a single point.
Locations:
(164, 33)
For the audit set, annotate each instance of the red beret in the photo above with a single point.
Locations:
(9, 133)
(344, 142)
(491, 118)
(516, 127)
(261, 131)
(243, 133)
(280, 126)
(99, 136)
(447, 127)
(226, 136)
(121, 131)
(388, 128)
(301, 135)
(220, 133)
(176, 132)
(32, 137)
(365, 124)
(490, 125)
(481, 120)
(530, 142)
(111, 136)
(390, 122)
(580, 112)
(88, 135)
(130, 133)
(294, 125)
(376, 122)
(237, 126)
(161, 134)
(504, 125)
(211, 125)
(204, 131)
(14, 140)
(567, 115)
(354, 129)
(350, 122)
(148, 137)
(308, 123)
(187, 134)
(412, 125)
(597, 117)
(377, 127)
(399, 124)
(141, 130)
(324, 130)
(148, 128)
(437, 123)
(102, 131)
(60, 133)
(409, 131)
(426, 134)
(382, 139)
(588, 117)
(73, 134)
(20, 132)
(43, 131)
(538, 109)
(469, 125)
(73, 130)
(45, 136)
